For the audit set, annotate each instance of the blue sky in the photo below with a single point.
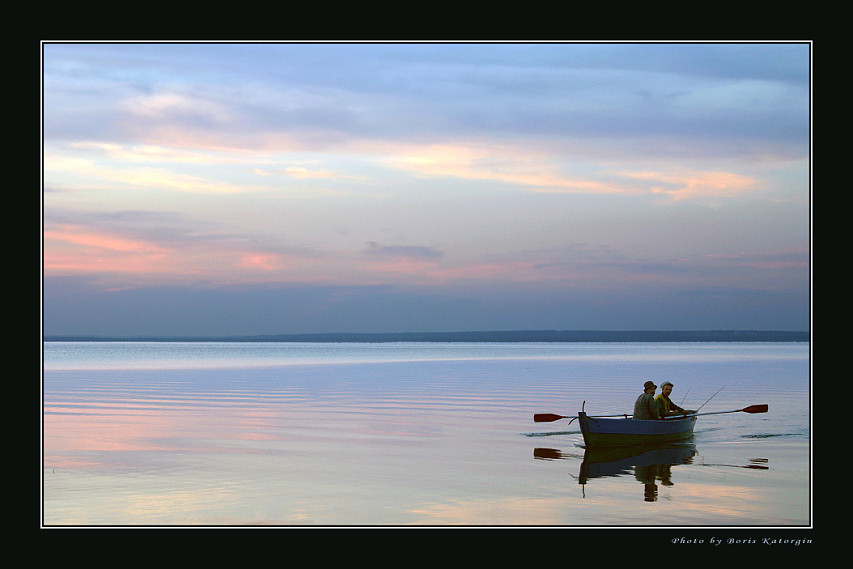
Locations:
(262, 188)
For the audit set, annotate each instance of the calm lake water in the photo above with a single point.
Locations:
(416, 434)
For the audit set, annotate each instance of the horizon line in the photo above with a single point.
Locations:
(533, 335)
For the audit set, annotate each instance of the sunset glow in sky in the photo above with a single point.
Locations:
(262, 188)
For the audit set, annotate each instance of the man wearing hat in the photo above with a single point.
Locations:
(645, 406)
(665, 405)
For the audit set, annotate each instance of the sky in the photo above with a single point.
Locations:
(275, 188)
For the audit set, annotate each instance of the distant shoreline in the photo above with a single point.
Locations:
(476, 336)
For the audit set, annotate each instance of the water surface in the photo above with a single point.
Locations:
(397, 434)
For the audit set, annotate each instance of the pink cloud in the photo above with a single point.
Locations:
(697, 184)
(76, 250)
(261, 261)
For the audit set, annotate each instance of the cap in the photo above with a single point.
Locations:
(650, 384)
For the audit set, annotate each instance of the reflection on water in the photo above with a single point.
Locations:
(268, 434)
(648, 465)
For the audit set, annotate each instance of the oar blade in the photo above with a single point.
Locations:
(547, 417)
(755, 409)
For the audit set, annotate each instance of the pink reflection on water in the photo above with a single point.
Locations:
(78, 436)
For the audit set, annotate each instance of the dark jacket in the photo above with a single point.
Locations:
(645, 407)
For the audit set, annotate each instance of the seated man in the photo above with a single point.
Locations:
(645, 407)
(665, 406)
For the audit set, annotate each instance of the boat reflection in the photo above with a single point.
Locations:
(650, 465)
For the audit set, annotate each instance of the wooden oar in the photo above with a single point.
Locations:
(750, 409)
(549, 417)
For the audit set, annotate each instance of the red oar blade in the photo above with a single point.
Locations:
(547, 417)
(755, 409)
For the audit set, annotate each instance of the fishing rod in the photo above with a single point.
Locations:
(711, 397)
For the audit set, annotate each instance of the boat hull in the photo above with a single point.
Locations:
(607, 432)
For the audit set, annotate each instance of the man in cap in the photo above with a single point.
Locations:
(665, 405)
(645, 406)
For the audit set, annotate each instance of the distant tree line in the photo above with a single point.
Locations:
(480, 336)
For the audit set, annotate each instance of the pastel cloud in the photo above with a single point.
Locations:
(539, 171)
(509, 166)
(549, 169)
(683, 185)
(172, 105)
(77, 250)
